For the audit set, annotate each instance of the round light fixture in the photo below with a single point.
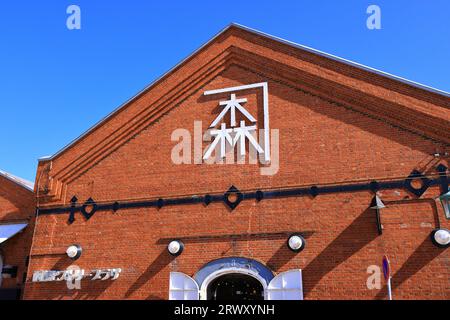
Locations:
(74, 251)
(296, 242)
(175, 247)
(441, 238)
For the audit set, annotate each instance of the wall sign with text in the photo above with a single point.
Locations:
(76, 275)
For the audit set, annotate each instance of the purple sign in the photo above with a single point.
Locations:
(386, 268)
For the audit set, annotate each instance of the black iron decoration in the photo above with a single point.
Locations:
(233, 196)
(207, 199)
(443, 179)
(73, 205)
(90, 203)
(424, 186)
(379, 226)
(376, 204)
(88, 209)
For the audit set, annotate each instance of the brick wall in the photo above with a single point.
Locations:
(321, 142)
(17, 204)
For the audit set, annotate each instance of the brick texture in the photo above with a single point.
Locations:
(17, 204)
(326, 137)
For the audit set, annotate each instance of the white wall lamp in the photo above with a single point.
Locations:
(296, 242)
(445, 201)
(74, 251)
(376, 205)
(175, 247)
(440, 238)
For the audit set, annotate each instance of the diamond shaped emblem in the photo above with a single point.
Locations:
(233, 197)
(417, 175)
(90, 203)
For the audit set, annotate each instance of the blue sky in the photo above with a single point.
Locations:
(56, 83)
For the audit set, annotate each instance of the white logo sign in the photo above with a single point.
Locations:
(75, 274)
(239, 134)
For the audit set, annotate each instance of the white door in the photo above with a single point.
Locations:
(286, 286)
(182, 287)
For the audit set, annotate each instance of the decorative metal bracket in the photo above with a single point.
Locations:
(376, 205)
(233, 196)
(88, 209)
(417, 191)
(443, 179)
(227, 197)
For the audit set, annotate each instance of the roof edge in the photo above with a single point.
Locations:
(19, 181)
(346, 61)
(149, 86)
(260, 33)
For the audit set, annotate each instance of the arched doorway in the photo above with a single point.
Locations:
(235, 286)
(236, 279)
(241, 271)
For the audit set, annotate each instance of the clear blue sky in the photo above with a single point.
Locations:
(56, 83)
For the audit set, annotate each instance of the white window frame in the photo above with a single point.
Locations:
(293, 286)
(183, 290)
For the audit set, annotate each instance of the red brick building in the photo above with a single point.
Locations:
(331, 137)
(17, 211)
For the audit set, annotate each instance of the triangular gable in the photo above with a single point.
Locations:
(416, 108)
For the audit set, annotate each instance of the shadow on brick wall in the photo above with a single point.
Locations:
(161, 261)
(333, 255)
(422, 256)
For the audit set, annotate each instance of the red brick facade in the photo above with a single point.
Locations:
(17, 205)
(337, 124)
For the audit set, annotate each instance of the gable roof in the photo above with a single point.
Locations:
(19, 181)
(265, 35)
(407, 105)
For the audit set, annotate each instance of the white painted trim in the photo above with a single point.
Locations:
(272, 288)
(19, 181)
(265, 88)
(238, 88)
(13, 234)
(221, 272)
